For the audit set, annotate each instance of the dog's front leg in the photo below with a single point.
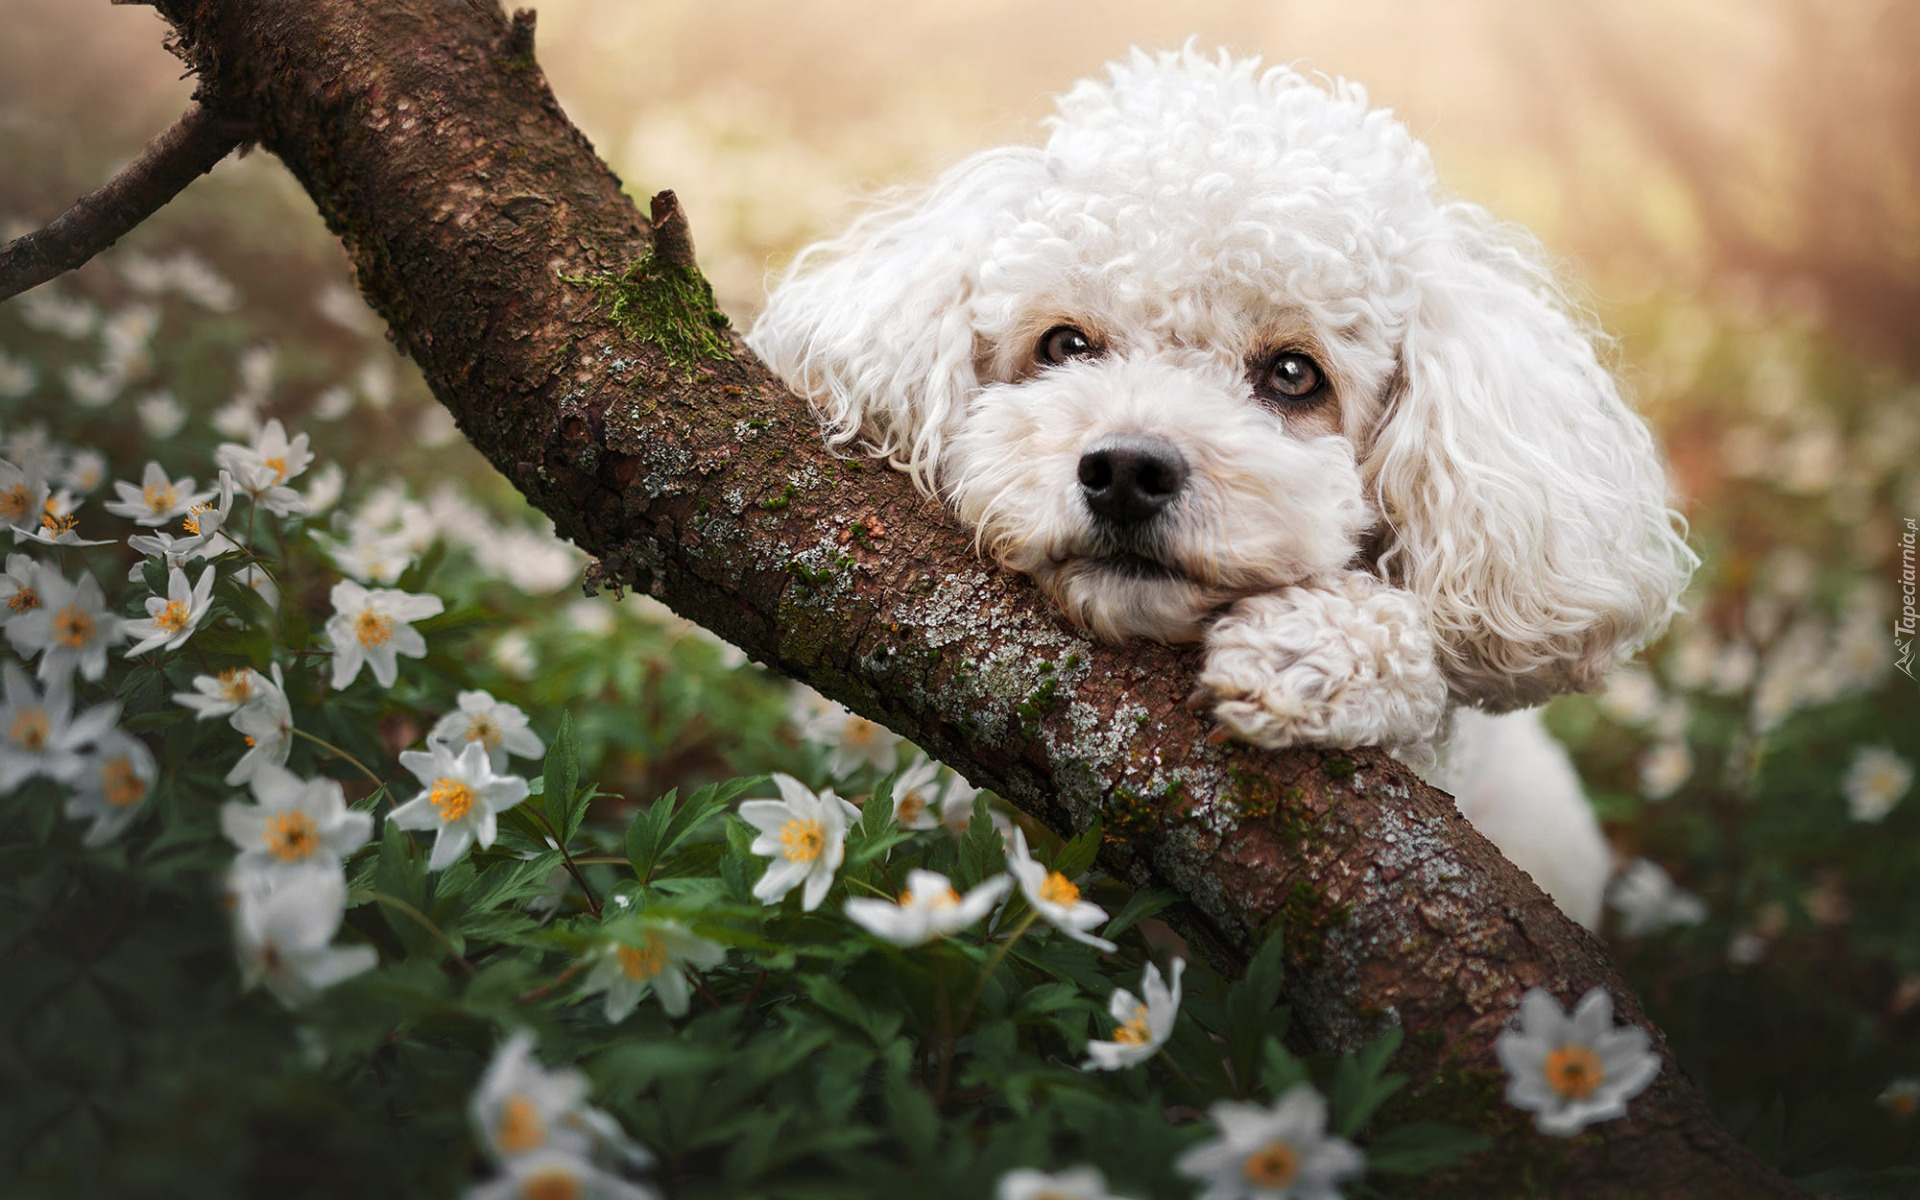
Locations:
(1345, 662)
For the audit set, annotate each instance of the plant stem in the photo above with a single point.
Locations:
(339, 753)
(1033, 914)
(423, 921)
(593, 902)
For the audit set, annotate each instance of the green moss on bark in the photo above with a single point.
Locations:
(667, 306)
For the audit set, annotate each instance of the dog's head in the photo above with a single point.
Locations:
(1220, 336)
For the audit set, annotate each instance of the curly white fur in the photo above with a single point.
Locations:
(1475, 516)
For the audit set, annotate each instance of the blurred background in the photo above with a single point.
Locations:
(1733, 184)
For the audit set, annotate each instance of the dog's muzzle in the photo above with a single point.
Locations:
(1127, 478)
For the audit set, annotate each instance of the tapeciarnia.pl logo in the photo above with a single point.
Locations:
(1904, 624)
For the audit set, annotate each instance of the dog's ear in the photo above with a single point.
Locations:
(1524, 502)
(875, 327)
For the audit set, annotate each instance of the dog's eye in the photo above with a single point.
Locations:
(1063, 342)
(1290, 379)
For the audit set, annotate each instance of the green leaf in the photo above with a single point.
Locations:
(1279, 1068)
(1360, 1086)
(741, 867)
(1077, 855)
(657, 832)
(561, 774)
(1421, 1147)
(1139, 906)
(834, 997)
(982, 852)
(877, 815)
(1254, 1012)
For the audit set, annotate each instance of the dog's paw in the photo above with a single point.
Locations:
(1349, 663)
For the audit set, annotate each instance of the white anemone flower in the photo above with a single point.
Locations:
(369, 559)
(1901, 1098)
(225, 692)
(915, 795)
(297, 822)
(1055, 897)
(17, 379)
(1876, 780)
(160, 414)
(556, 1175)
(112, 786)
(1142, 1026)
(1664, 768)
(205, 517)
(39, 735)
(1282, 1152)
(1647, 900)
(58, 526)
(1079, 1183)
(85, 471)
(851, 740)
(373, 627)
(523, 1108)
(23, 493)
(19, 595)
(498, 726)
(930, 908)
(461, 800)
(266, 722)
(262, 468)
(155, 500)
(283, 933)
(173, 618)
(652, 957)
(1573, 1071)
(71, 629)
(806, 836)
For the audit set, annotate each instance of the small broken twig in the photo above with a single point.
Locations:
(187, 150)
(672, 236)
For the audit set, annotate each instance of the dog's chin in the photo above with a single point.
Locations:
(1126, 596)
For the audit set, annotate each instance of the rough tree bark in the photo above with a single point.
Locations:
(579, 352)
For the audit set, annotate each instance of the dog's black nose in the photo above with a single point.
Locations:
(1129, 477)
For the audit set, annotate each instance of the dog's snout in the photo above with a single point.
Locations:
(1127, 478)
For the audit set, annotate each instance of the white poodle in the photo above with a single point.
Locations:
(1216, 363)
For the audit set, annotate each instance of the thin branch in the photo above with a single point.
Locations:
(187, 150)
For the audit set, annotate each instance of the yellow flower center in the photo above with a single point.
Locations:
(451, 799)
(1134, 1032)
(54, 524)
(372, 628)
(121, 784)
(31, 730)
(236, 685)
(73, 626)
(482, 729)
(24, 599)
(15, 502)
(644, 962)
(1573, 1071)
(520, 1128)
(291, 836)
(279, 466)
(912, 807)
(1274, 1165)
(1058, 889)
(859, 731)
(1903, 1104)
(160, 497)
(191, 522)
(173, 618)
(802, 840)
(551, 1183)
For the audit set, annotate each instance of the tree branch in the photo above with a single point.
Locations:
(578, 352)
(188, 149)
